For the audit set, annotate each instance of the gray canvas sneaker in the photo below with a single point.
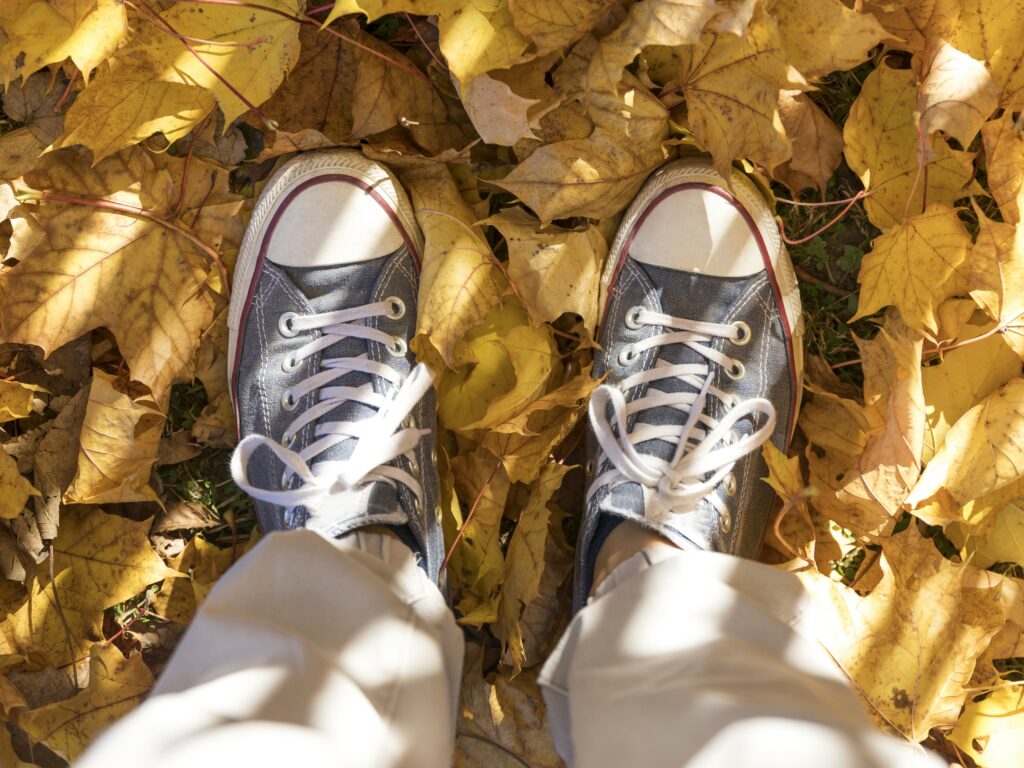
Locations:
(337, 424)
(701, 336)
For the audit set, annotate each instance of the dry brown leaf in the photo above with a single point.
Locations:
(116, 686)
(15, 490)
(120, 440)
(499, 115)
(882, 148)
(817, 143)
(56, 462)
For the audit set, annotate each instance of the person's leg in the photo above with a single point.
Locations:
(308, 652)
(686, 653)
(331, 642)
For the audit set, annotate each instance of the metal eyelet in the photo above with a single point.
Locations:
(433, 455)
(398, 348)
(588, 468)
(397, 307)
(285, 326)
(736, 370)
(287, 401)
(744, 334)
(289, 364)
(729, 484)
(288, 440)
(725, 521)
(628, 355)
(632, 319)
(732, 437)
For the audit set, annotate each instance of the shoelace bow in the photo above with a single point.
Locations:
(380, 438)
(698, 466)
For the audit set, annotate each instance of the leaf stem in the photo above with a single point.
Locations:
(846, 209)
(469, 517)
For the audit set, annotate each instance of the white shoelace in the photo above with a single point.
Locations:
(697, 467)
(381, 437)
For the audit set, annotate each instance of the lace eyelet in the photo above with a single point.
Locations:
(588, 468)
(285, 326)
(289, 364)
(399, 348)
(736, 370)
(628, 355)
(433, 455)
(397, 308)
(732, 437)
(288, 440)
(744, 334)
(288, 402)
(632, 319)
(725, 521)
(729, 484)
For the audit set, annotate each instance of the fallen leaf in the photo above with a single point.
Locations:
(47, 33)
(556, 24)
(786, 479)
(596, 176)
(458, 282)
(116, 686)
(915, 266)
(120, 440)
(817, 143)
(19, 153)
(911, 645)
(989, 30)
(33, 103)
(8, 757)
(567, 395)
(176, 449)
(1004, 541)
(991, 731)
(554, 270)
(524, 563)
(1004, 161)
(15, 490)
(103, 267)
(732, 86)
(956, 94)
(498, 114)
(912, 23)
(56, 462)
(982, 452)
(822, 36)
(650, 22)
(253, 49)
(882, 148)
(17, 399)
(126, 106)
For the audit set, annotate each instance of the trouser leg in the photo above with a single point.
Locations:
(696, 659)
(307, 652)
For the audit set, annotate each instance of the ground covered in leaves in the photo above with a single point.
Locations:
(136, 135)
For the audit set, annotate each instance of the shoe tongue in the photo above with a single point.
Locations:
(327, 289)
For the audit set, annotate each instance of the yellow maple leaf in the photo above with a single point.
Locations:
(116, 685)
(1004, 161)
(251, 49)
(956, 95)
(554, 270)
(16, 399)
(913, 23)
(911, 645)
(127, 105)
(15, 490)
(120, 439)
(476, 35)
(650, 22)
(982, 452)
(556, 24)
(1004, 540)
(822, 36)
(732, 89)
(115, 268)
(882, 148)
(915, 266)
(458, 282)
(100, 560)
(524, 563)
(499, 115)
(989, 30)
(596, 176)
(42, 33)
(991, 731)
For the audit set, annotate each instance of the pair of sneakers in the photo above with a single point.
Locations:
(700, 350)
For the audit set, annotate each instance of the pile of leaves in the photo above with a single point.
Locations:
(138, 133)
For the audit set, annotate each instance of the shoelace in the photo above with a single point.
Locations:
(698, 466)
(380, 438)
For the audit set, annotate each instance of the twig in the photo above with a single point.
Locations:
(430, 50)
(806, 276)
(469, 517)
(846, 209)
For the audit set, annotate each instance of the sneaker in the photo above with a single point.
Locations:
(337, 423)
(701, 336)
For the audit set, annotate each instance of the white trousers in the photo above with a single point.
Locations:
(312, 652)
